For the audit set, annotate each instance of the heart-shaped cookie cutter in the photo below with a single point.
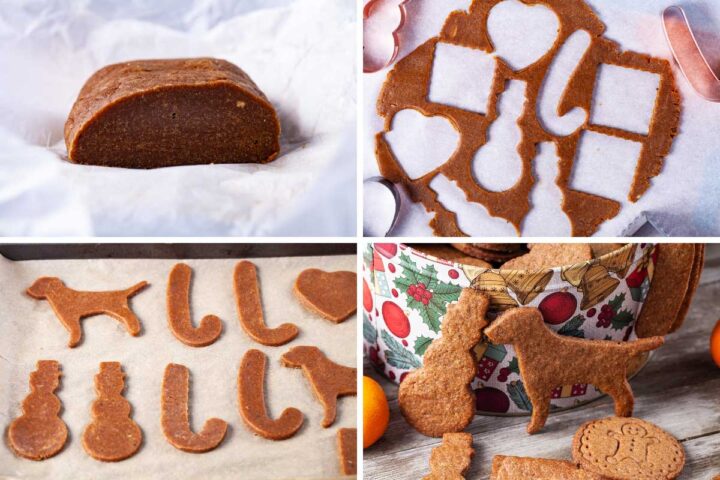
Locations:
(689, 56)
(394, 35)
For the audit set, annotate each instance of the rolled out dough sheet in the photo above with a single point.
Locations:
(31, 332)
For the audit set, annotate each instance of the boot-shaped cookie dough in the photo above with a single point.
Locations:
(332, 295)
(548, 360)
(328, 379)
(437, 399)
(178, 310)
(39, 433)
(251, 399)
(175, 417)
(452, 458)
(247, 295)
(347, 450)
(113, 435)
(71, 306)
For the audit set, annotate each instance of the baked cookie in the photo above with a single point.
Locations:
(452, 458)
(550, 255)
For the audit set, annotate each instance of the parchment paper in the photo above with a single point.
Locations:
(31, 332)
(682, 199)
(301, 53)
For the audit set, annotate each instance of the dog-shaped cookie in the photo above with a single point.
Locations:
(548, 360)
(71, 306)
(437, 398)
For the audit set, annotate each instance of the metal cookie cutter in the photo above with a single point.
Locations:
(385, 211)
(688, 55)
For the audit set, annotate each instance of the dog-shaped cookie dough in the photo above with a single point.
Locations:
(548, 360)
(437, 399)
(328, 379)
(71, 306)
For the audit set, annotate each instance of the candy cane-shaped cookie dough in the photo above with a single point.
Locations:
(247, 295)
(175, 418)
(328, 379)
(251, 399)
(178, 311)
(39, 433)
(113, 435)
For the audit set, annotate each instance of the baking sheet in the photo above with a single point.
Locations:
(681, 200)
(31, 332)
(301, 53)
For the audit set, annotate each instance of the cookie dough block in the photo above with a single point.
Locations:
(161, 113)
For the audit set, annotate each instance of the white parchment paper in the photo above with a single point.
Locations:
(682, 199)
(300, 53)
(30, 332)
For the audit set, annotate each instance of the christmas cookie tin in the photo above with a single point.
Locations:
(406, 294)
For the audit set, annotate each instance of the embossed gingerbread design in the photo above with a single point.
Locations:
(112, 435)
(627, 449)
(71, 306)
(548, 360)
(328, 379)
(449, 367)
(39, 433)
(178, 310)
(407, 87)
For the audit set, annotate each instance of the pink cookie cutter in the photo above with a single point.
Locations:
(688, 54)
(391, 40)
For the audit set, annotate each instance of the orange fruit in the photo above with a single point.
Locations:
(715, 344)
(376, 413)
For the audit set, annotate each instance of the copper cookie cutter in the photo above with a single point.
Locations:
(395, 35)
(689, 56)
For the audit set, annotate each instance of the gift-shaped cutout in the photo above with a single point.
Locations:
(575, 97)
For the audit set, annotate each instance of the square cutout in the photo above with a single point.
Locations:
(452, 66)
(624, 98)
(605, 165)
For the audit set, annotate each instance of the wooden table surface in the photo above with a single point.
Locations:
(678, 390)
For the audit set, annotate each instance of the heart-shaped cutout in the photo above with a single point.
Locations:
(332, 295)
(521, 33)
(421, 144)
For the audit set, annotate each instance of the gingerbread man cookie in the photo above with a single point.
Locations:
(251, 400)
(452, 458)
(175, 418)
(113, 435)
(39, 433)
(178, 310)
(328, 379)
(71, 306)
(247, 295)
(548, 360)
(332, 295)
(627, 449)
(448, 368)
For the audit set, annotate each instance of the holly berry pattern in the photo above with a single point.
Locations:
(424, 292)
(418, 290)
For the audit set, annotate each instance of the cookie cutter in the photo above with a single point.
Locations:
(689, 56)
(395, 35)
(397, 202)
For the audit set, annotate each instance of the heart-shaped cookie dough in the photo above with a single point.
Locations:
(521, 33)
(332, 295)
